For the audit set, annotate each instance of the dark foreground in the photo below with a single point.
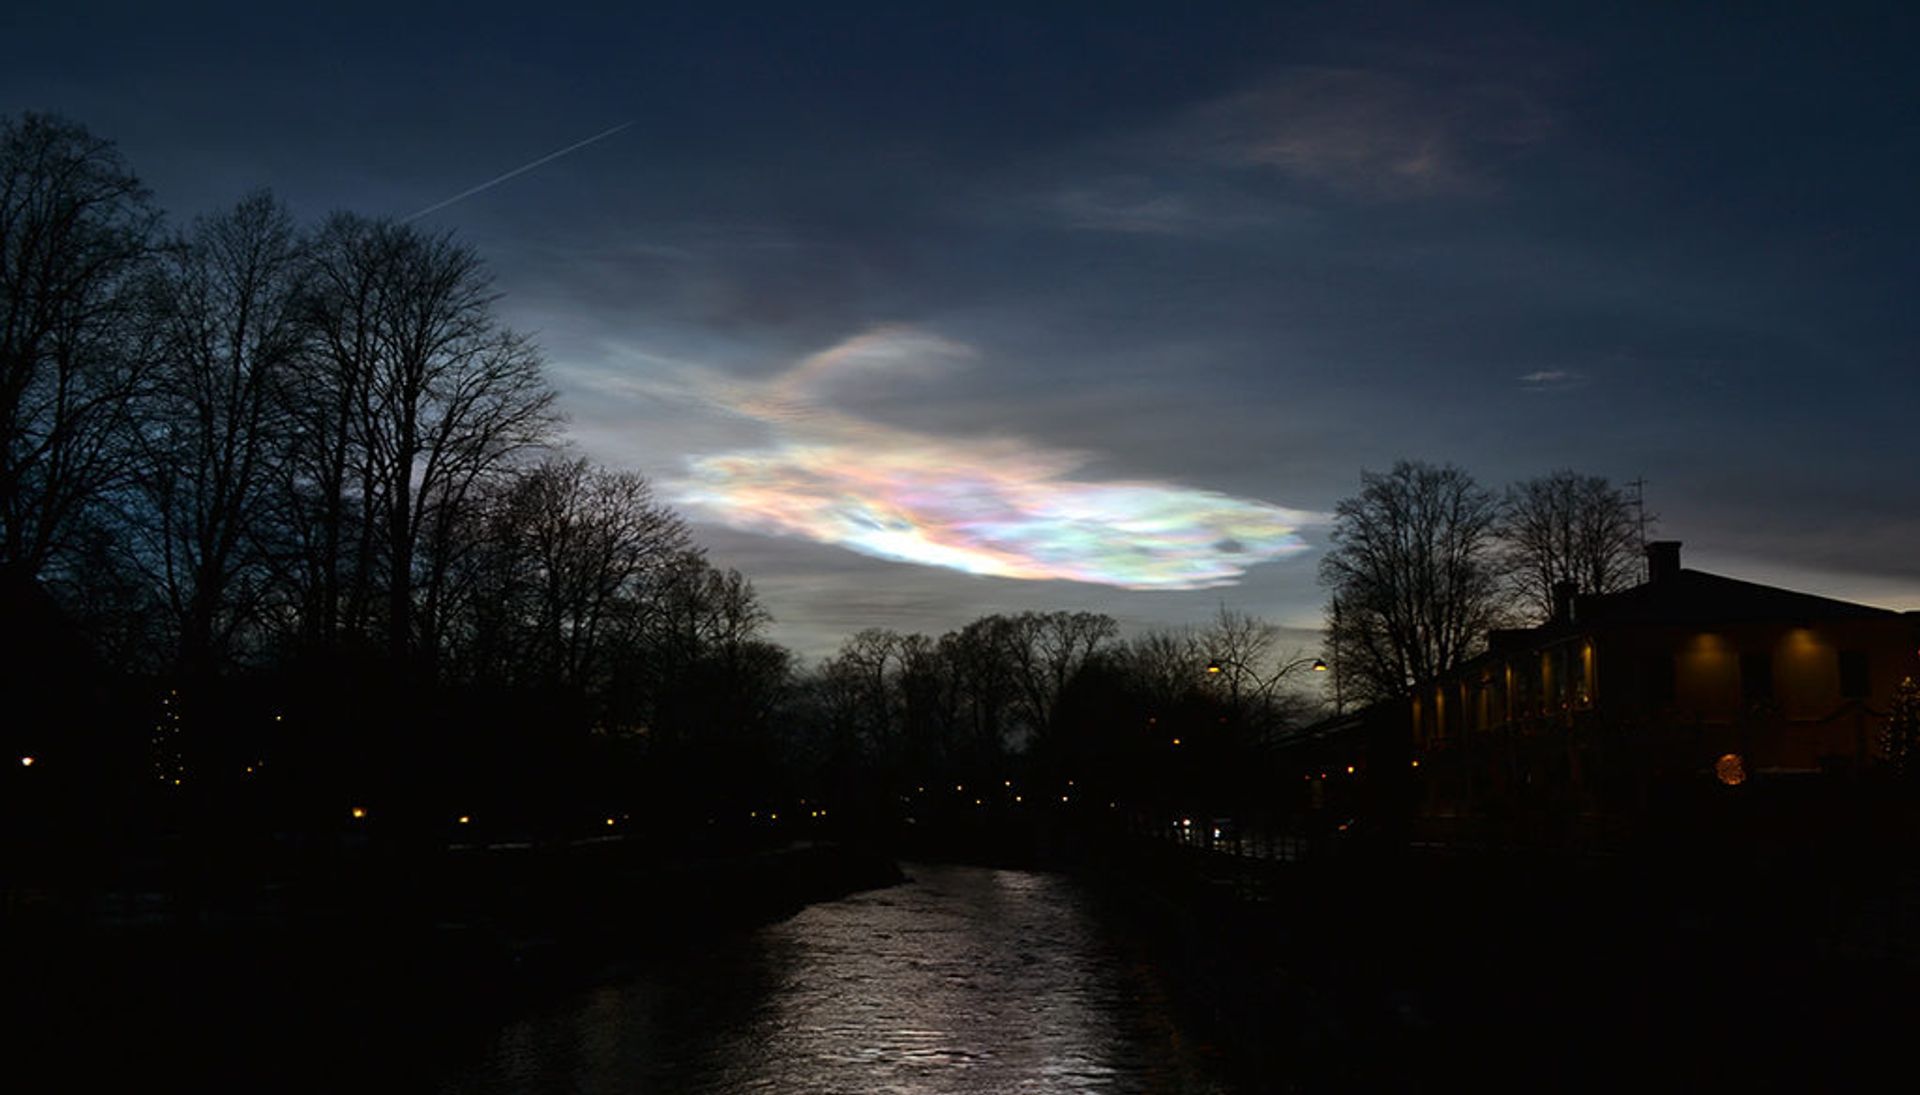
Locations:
(1548, 975)
(1398, 973)
(364, 972)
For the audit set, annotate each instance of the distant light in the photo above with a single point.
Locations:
(1017, 798)
(1186, 823)
(977, 802)
(359, 812)
(609, 821)
(1319, 665)
(1349, 769)
(279, 718)
(1213, 667)
(1176, 741)
(26, 762)
(1063, 798)
(1006, 782)
(958, 787)
(1730, 770)
(464, 819)
(773, 817)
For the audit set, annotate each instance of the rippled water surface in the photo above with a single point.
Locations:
(962, 980)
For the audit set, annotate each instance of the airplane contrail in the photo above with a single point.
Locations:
(522, 169)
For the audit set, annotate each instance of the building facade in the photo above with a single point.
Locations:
(1624, 704)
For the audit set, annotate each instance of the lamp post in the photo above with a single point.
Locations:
(1217, 666)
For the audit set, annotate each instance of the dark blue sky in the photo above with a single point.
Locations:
(1020, 293)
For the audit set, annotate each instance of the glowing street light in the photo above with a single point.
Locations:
(1318, 665)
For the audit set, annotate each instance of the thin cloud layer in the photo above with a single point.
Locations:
(995, 507)
(1548, 379)
(1369, 133)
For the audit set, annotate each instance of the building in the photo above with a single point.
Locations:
(1625, 705)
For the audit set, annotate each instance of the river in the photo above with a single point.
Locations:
(961, 980)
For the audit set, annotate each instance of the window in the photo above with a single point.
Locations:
(1854, 681)
(1756, 678)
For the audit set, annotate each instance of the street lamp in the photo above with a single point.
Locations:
(1218, 665)
(1266, 686)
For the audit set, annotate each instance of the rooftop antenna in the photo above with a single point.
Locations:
(1639, 485)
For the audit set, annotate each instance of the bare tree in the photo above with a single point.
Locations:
(554, 570)
(1163, 665)
(977, 653)
(595, 538)
(1414, 579)
(1044, 650)
(1567, 527)
(75, 227)
(1241, 655)
(227, 324)
(862, 675)
(422, 396)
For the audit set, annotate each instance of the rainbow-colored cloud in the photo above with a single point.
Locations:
(997, 507)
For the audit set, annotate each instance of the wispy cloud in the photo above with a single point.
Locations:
(997, 506)
(1548, 379)
(1368, 133)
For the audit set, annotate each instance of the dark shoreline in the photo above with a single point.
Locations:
(1504, 973)
(401, 960)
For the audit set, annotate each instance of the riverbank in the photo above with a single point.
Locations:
(1497, 974)
(331, 967)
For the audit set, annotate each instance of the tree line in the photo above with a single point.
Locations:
(249, 447)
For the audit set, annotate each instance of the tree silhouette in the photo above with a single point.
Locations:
(1415, 583)
(75, 235)
(225, 308)
(421, 397)
(1567, 527)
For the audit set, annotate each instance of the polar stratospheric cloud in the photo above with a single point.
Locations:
(998, 507)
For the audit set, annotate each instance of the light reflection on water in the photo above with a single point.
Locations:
(962, 980)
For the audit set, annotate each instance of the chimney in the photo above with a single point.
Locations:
(1563, 594)
(1663, 560)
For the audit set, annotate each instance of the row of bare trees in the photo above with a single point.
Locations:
(251, 443)
(1426, 561)
(1055, 694)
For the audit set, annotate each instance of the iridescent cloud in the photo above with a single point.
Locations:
(998, 507)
